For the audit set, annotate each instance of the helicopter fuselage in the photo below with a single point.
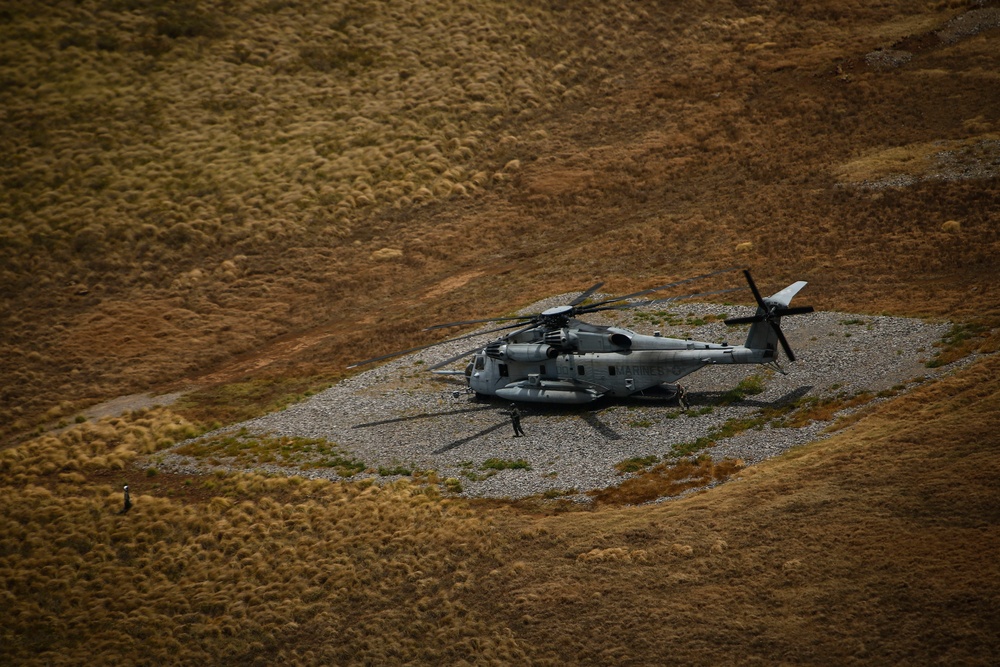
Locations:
(582, 362)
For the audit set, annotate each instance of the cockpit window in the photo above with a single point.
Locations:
(480, 363)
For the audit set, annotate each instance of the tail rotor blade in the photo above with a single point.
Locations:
(753, 288)
(732, 321)
(783, 341)
(799, 310)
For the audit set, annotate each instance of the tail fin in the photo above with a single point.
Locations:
(765, 332)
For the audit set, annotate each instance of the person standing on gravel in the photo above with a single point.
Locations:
(682, 398)
(515, 420)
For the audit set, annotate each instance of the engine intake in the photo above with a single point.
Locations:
(620, 340)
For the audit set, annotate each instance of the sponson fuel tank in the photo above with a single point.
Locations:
(553, 392)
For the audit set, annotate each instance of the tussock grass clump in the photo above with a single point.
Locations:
(613, 555)
(108, 443)
(666, 480)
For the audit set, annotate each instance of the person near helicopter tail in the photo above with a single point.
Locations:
(515, 421)
(682, 398)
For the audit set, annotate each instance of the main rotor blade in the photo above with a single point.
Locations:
(441, 364)
(688, 296)
(424, 347)
(490, 319)
(591, 307)
(640, 304)
(449, 360)
(586, 295)
(783, 341)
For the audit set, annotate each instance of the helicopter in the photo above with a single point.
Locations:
(555, 358)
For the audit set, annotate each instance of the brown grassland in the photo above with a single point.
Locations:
(234, 199)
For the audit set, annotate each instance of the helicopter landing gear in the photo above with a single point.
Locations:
(777, 368)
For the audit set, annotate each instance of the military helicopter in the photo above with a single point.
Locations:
(555, 358)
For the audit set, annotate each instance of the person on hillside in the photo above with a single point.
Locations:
(128, 502)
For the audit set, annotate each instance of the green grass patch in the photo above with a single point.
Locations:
(688, 448)
(505, 464)
(748, 386)
(636, 463)
(960, 341)
(558, 493)
(490, 467)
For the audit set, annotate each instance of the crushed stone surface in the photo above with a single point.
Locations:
(399, 416)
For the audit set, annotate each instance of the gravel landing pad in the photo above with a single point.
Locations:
(397, 416)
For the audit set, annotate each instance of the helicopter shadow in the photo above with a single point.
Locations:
(446, 413)
(423, 415)
(586, 414)
(713, 398)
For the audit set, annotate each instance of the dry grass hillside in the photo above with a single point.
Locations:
(234, 199)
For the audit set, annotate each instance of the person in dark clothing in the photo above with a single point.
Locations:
(682, 398)
(128, 502)
(515, 420)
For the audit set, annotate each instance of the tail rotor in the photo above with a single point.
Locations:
(770, 310)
